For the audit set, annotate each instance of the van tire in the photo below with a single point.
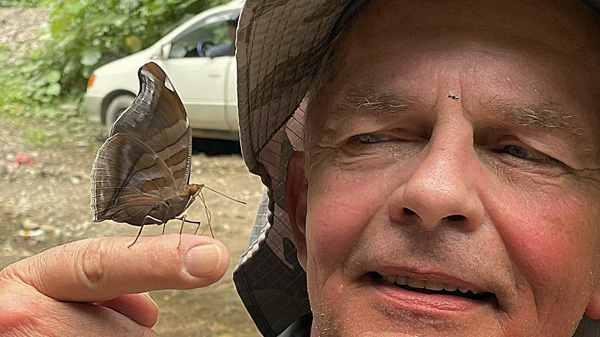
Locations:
(116, 107)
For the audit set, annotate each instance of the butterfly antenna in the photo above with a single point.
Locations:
(224, 195)
(136, 238)
(208, 215)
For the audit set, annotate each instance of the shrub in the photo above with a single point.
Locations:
(85, 34)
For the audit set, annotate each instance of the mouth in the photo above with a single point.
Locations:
(433, 287)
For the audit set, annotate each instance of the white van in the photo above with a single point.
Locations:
(206, 84)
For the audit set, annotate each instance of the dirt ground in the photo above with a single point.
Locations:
(46, 204)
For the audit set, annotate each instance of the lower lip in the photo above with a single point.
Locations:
(427, 304)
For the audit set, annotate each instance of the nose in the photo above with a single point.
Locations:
(443, 188)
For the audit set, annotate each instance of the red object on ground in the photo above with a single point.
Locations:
(21, 158)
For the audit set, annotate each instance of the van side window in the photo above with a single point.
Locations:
(196, 42)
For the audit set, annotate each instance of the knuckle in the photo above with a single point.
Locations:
(23, 271)
(9, 273)
(92, 267)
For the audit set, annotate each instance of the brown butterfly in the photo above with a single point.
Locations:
(141, 174)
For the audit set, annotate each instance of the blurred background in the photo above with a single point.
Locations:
(48, 51)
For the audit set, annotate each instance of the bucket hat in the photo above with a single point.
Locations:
(279, 47)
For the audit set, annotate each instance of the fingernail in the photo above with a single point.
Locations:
(202, 261)
(150, 298)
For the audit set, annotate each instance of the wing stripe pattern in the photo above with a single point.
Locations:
(119, 182)
(153, 185)
(157, 118)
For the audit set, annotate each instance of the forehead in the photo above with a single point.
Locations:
(566, 23)
(547, 43)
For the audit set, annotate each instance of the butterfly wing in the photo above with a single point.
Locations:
(128, 178)
(158, 118)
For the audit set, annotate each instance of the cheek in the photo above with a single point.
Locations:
(340, 206)
(544, 234)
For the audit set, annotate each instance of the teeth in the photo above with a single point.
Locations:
(434, 285)
(420, 284)
(416, 283)
(402, 280)
(450, 287)
(465, 290)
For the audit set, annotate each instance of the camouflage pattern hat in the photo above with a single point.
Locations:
(279, 46)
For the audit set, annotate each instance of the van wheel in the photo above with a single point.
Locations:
(116, 108)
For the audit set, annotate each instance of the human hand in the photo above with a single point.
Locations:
(94, 287)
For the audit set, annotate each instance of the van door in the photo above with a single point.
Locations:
(231, 110)
(200, 80)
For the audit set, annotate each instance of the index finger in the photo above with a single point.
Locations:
(100, 269)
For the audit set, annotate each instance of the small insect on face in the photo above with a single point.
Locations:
(141, 174)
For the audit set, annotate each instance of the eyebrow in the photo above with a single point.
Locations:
(376, 99)
(546, 115)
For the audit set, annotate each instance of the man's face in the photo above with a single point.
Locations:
(454, 148)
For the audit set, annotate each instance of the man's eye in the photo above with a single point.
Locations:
(528, 154)
(518, 152)
(370, 138)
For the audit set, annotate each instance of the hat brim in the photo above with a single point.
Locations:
(279, 45)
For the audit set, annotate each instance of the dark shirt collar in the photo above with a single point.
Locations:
(300, 328)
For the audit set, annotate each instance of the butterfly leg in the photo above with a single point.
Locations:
(137, 236)
(197, 228)
(142, 227)
(183, 221)
(182, 218)
(198, 223)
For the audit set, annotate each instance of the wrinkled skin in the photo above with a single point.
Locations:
(455, 142)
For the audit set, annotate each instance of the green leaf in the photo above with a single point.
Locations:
(53, 89)
(52, 76)
(118, 21)
(90, 56)
(70, 67)
(76, 7)
(58, 25)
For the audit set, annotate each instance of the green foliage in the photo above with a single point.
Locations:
(40, 124)
(85, 34)
(22, 96)
(18, 99)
